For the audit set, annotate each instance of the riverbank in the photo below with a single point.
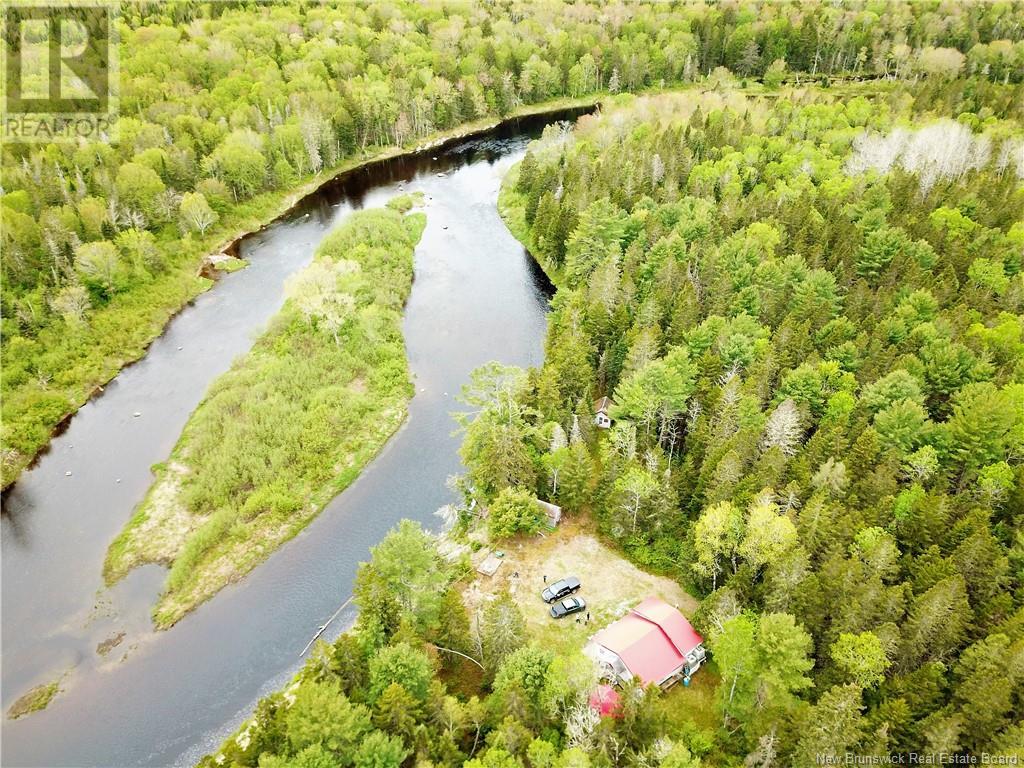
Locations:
(47, 379)
(290, 425)
(512, 209)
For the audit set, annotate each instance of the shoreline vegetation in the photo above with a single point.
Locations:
(512, 203)
(291, 424)
(512, 209)
(797, 313)
(96, 263)
(36, 411)
(755, 648)
(35, 700)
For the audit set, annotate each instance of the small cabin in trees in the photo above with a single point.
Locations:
(653, 643)
(601, 408)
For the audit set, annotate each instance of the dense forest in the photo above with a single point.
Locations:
(809, 312)
(227, 108)
(809, 316)
(788, 246)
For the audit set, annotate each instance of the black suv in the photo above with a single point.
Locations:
(560, 589)
(567, 606)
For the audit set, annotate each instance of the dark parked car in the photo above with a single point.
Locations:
(567, 606)
(560, 589)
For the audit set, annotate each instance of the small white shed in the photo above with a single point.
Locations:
(602, 406)
(552, 512)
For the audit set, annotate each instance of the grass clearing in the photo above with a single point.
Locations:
(684, 707)
(289, 426)
(611, 585)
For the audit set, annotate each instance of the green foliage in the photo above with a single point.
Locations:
(722, 535)
(411, 571)
(861, 657)
(322, 715)
(763, 662)
(379, 750)
(313, 756)
(521, 683)
(679, 756)
(288, 427)
(717, 535)
(401, 664)
(879, 248)
(850, 315)
(405, 203)
(239, 163)
(835, 725)
(101, 269)
(598, 235)
(987, 675)
(512, 512)
(902, 424)
(658, 392)
(838, 461)
(355, 706)
(989, 275)
(502, 630)
(196, 213)
(897, 386)
(336, 83)
(495, 449)
(137, 188)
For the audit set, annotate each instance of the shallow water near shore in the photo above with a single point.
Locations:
(166, 698)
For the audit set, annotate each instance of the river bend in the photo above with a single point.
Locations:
(166, 698)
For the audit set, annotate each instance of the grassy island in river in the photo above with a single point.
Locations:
(290, 425)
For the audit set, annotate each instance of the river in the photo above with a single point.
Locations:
(166, 698)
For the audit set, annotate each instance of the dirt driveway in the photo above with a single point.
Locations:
(611, 585)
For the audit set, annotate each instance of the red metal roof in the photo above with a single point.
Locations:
(683, 636)
(652, 640)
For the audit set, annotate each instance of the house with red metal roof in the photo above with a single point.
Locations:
(653, 643)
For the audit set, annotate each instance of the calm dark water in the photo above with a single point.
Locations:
(166, 698)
